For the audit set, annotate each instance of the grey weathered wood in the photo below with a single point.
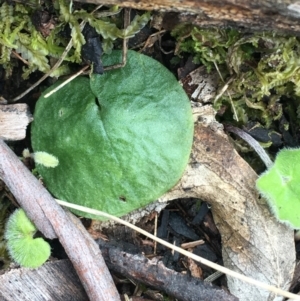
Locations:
(14, 120)
(55, 281)
(278, 15)
(155, 274)
(53, 221)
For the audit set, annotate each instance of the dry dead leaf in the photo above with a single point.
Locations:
(254, 242)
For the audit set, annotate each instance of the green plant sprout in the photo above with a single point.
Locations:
(122, 139)
(280, 185)
(23, 248)
(43, 158)
(264, 67)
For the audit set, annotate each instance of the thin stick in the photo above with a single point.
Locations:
(57, 64)
(225, 89)
(204, 261)
(253, 143)
(16, 54)
(125, 47)
(150, 41)
(155, 233)
(213, 276)
(192, 244)
(66, 81)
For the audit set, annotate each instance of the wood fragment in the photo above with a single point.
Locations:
(55, 280)
(269, 15)
(192, 244)
(13, 121)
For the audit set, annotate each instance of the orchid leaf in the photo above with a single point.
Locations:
(122, 139)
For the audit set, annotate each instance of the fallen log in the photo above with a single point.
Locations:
(153, 273)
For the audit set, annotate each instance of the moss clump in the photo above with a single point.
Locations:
(19, 36)
(264, 67)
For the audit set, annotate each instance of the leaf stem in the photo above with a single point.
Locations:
(252, 142)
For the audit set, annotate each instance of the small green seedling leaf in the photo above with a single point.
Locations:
(122, 139)
(280, 185)
(23, 248)
(45, 159)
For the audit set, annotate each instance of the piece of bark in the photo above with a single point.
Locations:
(296, 278)
(55, 281)
(153, 273)
(271, 15)
(53, 221)
(13, 121)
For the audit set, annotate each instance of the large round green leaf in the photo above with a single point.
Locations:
(122, 139)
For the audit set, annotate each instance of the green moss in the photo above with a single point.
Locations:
(264, 66)
(17, 33)
(208, 46)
